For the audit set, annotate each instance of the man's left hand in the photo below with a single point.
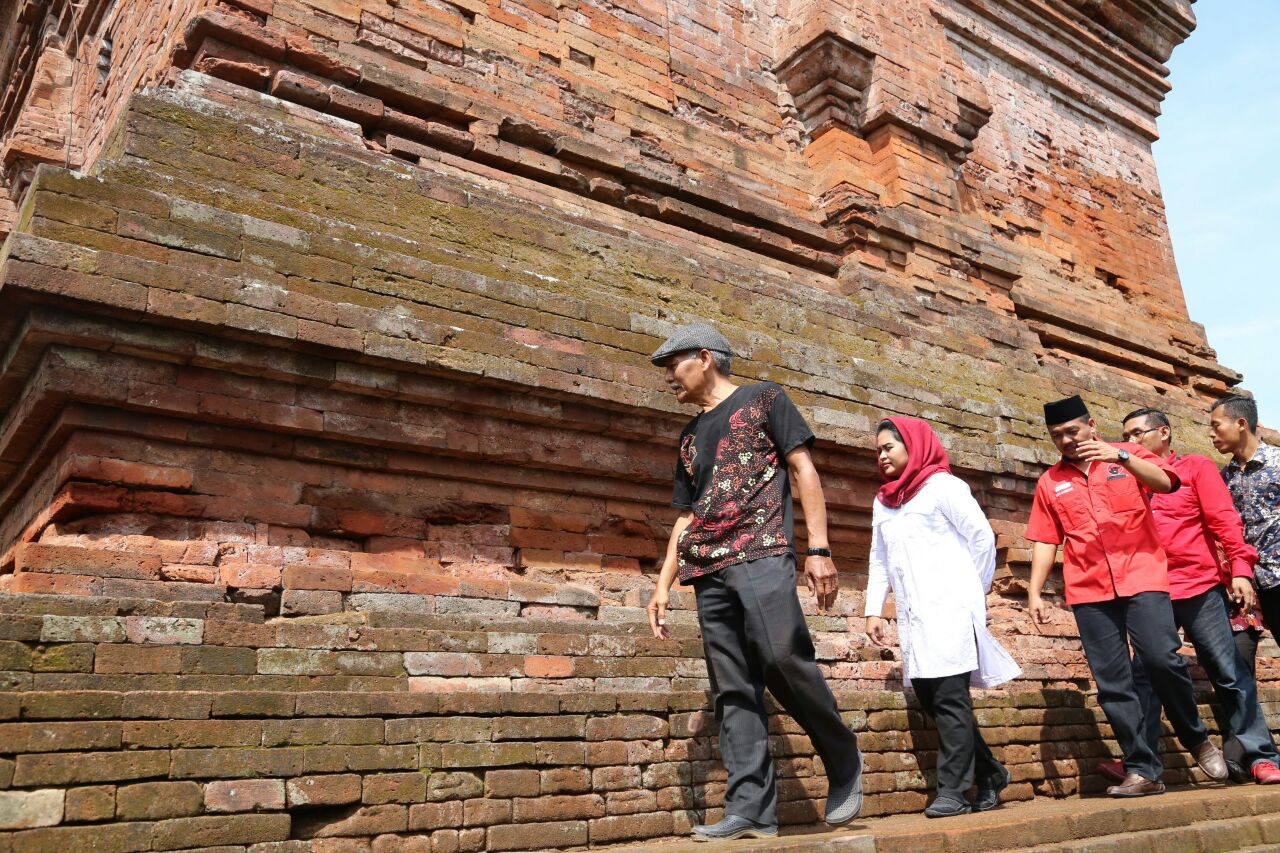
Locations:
(823, 580)
(1097, 451)
(1242, 593)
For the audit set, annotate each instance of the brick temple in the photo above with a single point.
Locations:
(333, 472)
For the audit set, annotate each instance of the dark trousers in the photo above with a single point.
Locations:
(1246, 738)
(1107, 628)
(963, 755)
(754, 635)
(1247, 645)
(1269, 604)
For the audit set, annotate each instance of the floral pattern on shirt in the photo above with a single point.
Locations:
(1255, 490)
(740, 516)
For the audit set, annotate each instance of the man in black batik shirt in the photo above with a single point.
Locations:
(733, 543)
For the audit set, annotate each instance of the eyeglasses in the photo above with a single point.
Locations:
(1133, 436)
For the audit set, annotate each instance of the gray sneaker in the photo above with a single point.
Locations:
(947, 806)
(733, 827)
(844, 802)
(989, 792)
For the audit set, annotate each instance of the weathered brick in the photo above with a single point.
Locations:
(235, 763)
(254, 704)
(174, 734)
(381, 788)
(567, 833)
(163, 630)
(511, 783)
(452, 729)
(30, 809)
(155, 800)
(627, 827)
(302, 732)
(107, 838)
(85, 629)
(58, 737)
(90, 805)
(404, 844)
(167, 705)
(485, 812)
(487, 754)
(63, 657)
(137, 659)
(296, 662)
(528, 810)
(81, 767)
(34, 557)
(71, 704)
(565, 780)
(244, 795)
(310, 602)
(221, 829)
(563, 727)
(335, 790)
(615, 778)
(430, 816)
(317, 577)
(453, 786)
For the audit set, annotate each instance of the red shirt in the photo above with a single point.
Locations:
(1192, 522)
(1112, 548)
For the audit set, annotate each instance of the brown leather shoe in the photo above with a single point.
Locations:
(1136, 786)
(1210, 759)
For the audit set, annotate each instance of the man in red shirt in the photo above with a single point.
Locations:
(1116, 580)
(1191, 523)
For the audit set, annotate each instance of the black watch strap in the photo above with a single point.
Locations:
(818, 552)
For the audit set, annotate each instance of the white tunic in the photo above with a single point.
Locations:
(938, 554)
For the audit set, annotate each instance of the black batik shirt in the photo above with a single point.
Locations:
(732, 474)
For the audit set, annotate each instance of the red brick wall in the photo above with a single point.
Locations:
(348, 330)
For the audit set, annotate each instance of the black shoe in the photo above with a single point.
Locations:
(1237, 774)
(947, 806)
(733, 827)
(989, 792)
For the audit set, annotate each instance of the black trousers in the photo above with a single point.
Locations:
(963, 756)
(1145, 620)
(1269, 604)
(754, 635)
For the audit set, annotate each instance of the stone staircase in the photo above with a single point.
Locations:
(1195, 820)
(450, 721)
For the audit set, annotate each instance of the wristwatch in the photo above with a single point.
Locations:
(1123, 456)
(818, 552)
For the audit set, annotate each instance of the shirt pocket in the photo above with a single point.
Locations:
(1073, 507)
(1124, 496)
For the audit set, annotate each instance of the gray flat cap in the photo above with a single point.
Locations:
(694, 336)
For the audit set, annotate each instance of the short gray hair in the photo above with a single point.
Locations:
(723, 361)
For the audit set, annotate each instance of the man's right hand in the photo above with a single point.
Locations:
(658, 613)
(1242, 593)
(1038, 609)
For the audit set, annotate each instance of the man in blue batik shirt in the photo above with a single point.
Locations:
(1253, 478)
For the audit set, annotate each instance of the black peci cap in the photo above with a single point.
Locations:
(1061, 411)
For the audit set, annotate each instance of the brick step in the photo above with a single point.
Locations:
(1213, 835)
(66, 605)
(1233, 818)
(362, 582)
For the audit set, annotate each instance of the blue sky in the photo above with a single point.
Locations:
(1219, 164)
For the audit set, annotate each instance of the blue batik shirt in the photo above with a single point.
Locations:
(1255, 490)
